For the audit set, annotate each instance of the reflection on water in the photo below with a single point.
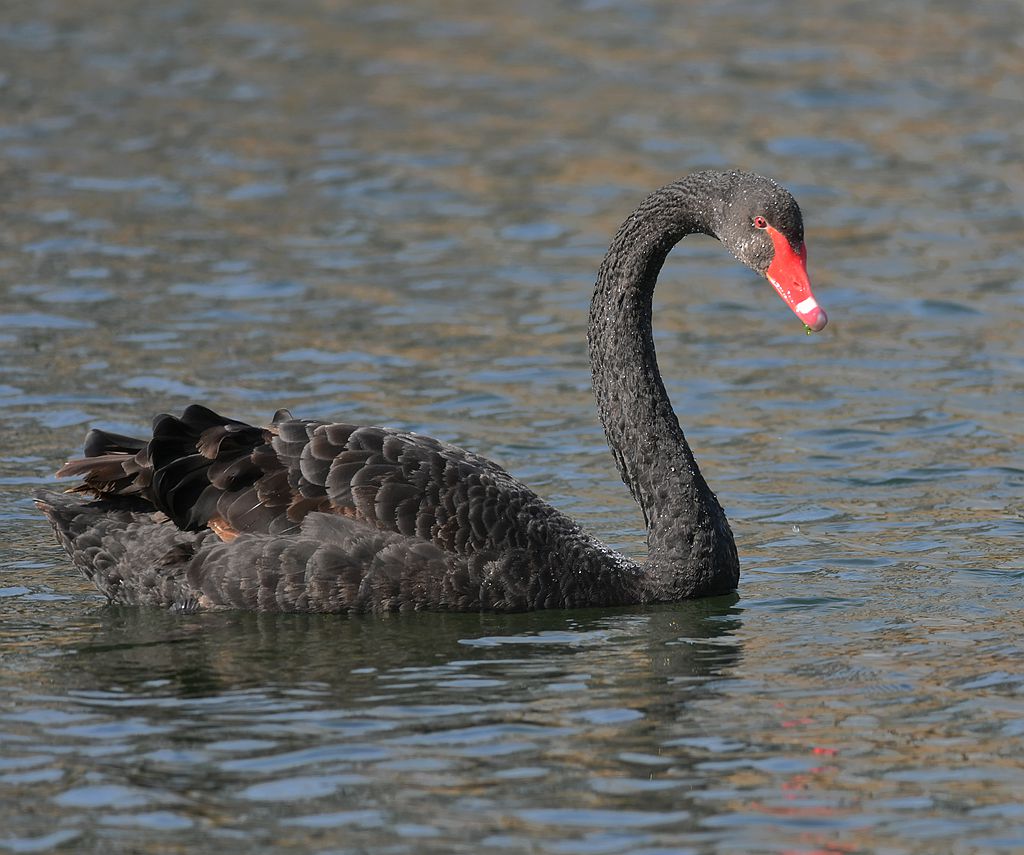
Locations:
(394, 213)
(485, 714)
(219, 652)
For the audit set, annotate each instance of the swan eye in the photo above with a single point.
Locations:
(760, 223)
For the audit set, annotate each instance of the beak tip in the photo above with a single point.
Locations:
(816, 319)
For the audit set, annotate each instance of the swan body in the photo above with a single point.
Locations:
(311, 516)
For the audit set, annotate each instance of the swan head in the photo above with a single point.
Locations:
(762, 226)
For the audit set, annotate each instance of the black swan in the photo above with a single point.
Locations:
(307, 516)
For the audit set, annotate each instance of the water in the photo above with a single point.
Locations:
(394, 213)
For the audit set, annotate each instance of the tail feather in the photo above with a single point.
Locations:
(99, 442)
(114, 464)
(174, 469)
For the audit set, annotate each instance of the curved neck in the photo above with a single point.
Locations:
(691, 549)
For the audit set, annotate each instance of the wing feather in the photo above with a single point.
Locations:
(202, 467)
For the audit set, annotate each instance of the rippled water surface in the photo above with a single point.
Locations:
(394, 213)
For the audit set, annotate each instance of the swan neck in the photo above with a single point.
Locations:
(642, 429)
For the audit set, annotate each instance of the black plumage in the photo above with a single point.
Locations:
(310, 516)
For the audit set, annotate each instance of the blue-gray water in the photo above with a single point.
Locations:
(393, 213)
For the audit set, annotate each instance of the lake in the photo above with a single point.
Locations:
(394, 214)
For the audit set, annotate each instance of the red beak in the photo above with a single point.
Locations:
(788, 275)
